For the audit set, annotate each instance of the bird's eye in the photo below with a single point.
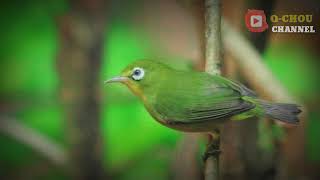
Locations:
(137, 73)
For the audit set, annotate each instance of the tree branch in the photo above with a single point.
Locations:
(213, 56)
(251, 64)
(185, 162)
(39, 143)
(211, 171)
(81, 33)
(213, 36)
(262, 80)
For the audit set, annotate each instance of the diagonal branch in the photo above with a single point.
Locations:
(39, 143)
(251, 63)
(263, 81)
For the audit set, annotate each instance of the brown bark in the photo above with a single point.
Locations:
(185, 165)
(213, 55)
(232, 165)
(79, 59)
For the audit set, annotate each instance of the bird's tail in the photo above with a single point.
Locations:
(287, 113)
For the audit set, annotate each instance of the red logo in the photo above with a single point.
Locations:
(256, 20)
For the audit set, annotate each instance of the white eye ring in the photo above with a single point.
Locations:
(137, 73)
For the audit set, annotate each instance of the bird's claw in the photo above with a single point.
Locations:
(212, 152)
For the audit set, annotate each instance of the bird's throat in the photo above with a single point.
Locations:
(136, 90)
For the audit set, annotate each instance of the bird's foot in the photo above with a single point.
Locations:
(212, 150)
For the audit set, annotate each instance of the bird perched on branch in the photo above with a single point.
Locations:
(197, 101)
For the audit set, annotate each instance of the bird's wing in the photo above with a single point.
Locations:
(200, 98)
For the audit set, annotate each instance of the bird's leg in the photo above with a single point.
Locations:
(213, 147)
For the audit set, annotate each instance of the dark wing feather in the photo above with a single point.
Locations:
(244, 90)
(223, 112)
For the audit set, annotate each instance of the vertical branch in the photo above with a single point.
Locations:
(78, 64)
(213, 59)
(185, 162)
(242, 156)
(213, 36)
(211, 171)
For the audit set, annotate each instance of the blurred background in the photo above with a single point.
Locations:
(59, 121)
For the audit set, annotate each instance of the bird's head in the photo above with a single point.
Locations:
(141, 76)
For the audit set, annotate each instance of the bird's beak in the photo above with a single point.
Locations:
(116, 79)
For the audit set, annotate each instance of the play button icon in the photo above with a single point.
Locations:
(256, 21)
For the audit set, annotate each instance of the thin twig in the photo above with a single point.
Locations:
(39, 143)
(213, 56)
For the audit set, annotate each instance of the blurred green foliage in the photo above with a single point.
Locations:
(132, 139)
(297, 68)
(28, 49)
(28, 72)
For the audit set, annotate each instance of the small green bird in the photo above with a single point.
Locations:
(197, 101)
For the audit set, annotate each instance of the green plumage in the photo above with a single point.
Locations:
(197, 101)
